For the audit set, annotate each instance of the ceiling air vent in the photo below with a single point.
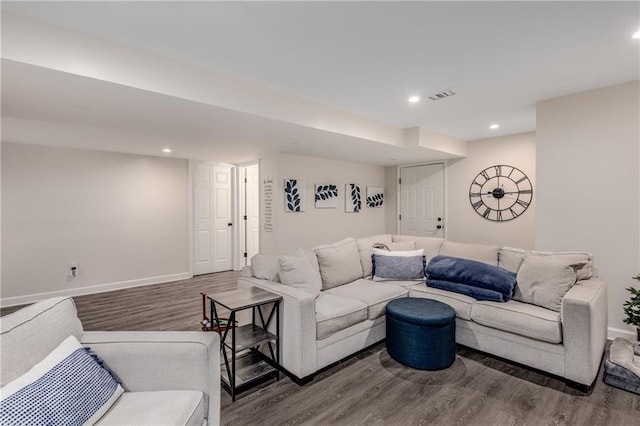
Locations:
(442, 95)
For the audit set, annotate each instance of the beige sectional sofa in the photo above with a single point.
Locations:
(333, 309)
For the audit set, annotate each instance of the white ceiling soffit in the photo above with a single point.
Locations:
(363, 59)
(54, 78)
(132, 120)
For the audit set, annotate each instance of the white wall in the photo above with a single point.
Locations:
(122, 218)
(589, 184)
(317, 226)
(463, 223)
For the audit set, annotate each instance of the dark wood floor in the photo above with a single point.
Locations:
(371, 388)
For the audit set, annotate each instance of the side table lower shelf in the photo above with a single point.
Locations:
(251, 368)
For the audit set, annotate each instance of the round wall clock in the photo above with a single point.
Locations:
(500, 193)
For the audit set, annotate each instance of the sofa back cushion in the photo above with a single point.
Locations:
(297, 270)
(266, 267)
(365, 249)
(478, 252)
(511, 258)
(30, 334)
(339, 263)
(430, 245)
(544, 281)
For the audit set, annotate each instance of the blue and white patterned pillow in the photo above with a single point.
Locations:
(68, 387)
(405, 265)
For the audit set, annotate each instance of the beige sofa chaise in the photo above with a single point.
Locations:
(168, 377)
(321, 326)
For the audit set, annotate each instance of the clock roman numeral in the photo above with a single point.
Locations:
(522, 203)
(477, 204)
(513, 212)
(484, 174)
(523, 178)
(526, 191)
(499, 212)
(474, 194)
(486, 212)
(498, 170)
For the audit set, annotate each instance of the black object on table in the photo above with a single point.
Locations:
(245, 365)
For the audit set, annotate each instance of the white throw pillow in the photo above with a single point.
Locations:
(400, 253)
(402, 245)
(431, 245)
(339, 263)
(544, 281)
(67, 387)
(296, 270)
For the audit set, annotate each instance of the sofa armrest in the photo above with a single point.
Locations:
(163, 360)
(584, 329)
(297, 325)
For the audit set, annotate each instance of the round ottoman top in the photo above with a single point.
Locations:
(421, 311)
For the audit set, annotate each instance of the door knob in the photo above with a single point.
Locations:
(439, 219)
(439, 227)
(229, 224)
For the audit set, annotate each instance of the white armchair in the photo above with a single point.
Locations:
(168, 377)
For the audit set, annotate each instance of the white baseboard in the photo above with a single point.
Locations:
(100, 288)
(612, 333)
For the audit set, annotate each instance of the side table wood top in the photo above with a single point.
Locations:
(243, 298)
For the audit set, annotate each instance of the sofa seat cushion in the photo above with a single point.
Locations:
(375, 295)
(403, 283)
(156, 408)
(515, 317)
(335, 313)
(459, 302)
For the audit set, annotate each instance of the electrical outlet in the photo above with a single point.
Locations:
(73, 270)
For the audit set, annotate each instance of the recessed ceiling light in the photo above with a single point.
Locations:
(636, 35)
(167, 150)
(494, 126)
(414, 99)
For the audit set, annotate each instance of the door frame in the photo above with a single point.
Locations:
(444, 192)
(240, 232)
(192, 166)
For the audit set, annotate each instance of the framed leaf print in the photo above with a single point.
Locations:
(375, 196)
(326, 196)
(352, 198)
(294, 194)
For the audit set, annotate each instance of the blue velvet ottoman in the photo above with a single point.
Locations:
(421, 333)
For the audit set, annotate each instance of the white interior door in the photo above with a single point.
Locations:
(213, 220)
(252, 211)
(422, 200)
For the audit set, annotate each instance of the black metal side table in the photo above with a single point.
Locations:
(245, 365)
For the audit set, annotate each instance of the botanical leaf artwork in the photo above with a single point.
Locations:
(375, 196)
(326, 196)
(294, 195)
(353, 202)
